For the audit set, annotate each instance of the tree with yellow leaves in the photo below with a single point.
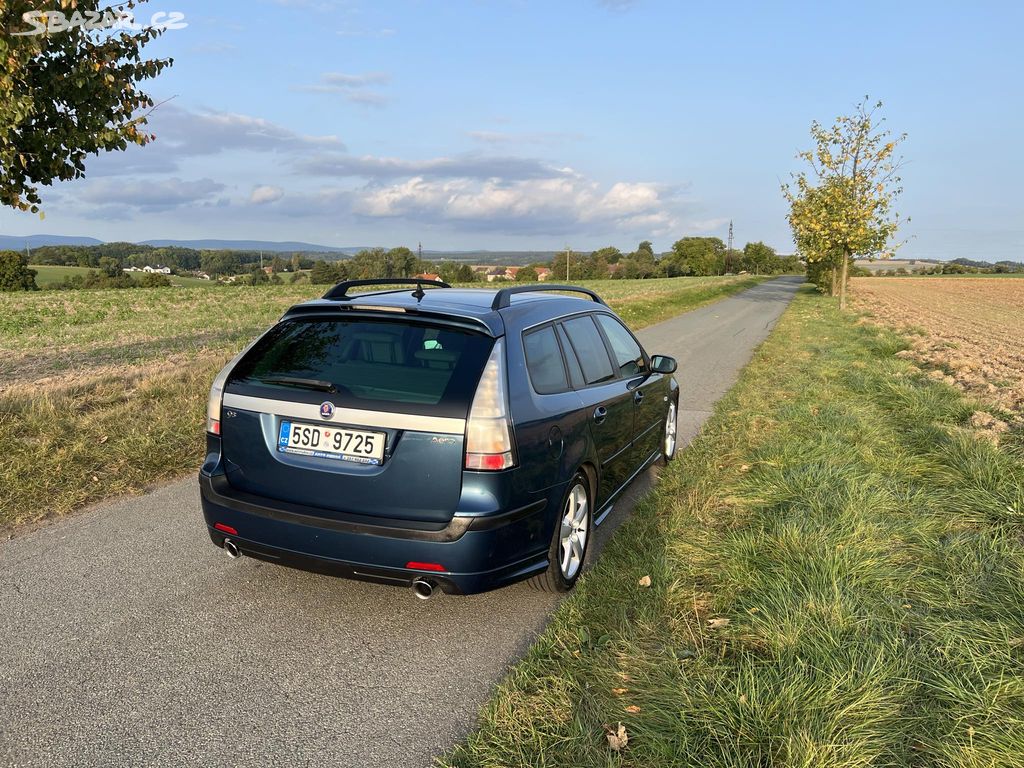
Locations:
(841, 207)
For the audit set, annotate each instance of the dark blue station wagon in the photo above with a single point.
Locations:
(453, 439)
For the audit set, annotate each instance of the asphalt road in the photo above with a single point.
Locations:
(126, 638)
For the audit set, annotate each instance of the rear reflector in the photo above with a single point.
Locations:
(491, 462)
(213, 426)
(413, 565)
(225, 529)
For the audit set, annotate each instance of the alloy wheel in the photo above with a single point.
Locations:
(574, 532)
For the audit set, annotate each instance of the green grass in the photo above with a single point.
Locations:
(48, 275)
(865, 551)
(103, 392)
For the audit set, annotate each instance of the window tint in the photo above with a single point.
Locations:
(544, 361)
(371, 361)
(590, 349)
(575, 372)
(629, 358)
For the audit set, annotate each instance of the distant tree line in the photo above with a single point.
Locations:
(381, 262)
(955, 267)
(213, 262)
(689, 257)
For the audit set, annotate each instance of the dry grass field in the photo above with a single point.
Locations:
(969, 331)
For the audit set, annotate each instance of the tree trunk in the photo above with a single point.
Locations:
(832, 291)
(842, 280)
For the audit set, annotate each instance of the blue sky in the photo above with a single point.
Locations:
(509, 124)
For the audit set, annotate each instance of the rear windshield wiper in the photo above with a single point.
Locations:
(295, 381)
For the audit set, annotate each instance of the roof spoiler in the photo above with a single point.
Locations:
(340, 291)
(503, 298)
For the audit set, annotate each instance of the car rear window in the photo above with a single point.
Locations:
(368, 363)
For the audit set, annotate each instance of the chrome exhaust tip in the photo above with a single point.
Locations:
(422, 588)
(232, 549)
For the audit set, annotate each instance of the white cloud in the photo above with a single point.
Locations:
(354, 88)
(471, 166)
(159, 195)
(265, 193)
(535, 206)
(183, 133)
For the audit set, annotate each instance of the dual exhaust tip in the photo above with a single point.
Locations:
(422, 588)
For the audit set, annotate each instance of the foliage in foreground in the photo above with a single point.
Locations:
(837, 579)
(66, 95)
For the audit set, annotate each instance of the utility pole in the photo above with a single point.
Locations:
(419, 251)
(568, 254)
(261, 261)
(728, 252)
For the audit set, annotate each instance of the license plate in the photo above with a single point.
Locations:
(325, 441)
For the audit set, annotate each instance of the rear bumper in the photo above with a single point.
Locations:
(478, 553)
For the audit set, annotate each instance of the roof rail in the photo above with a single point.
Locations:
(503, 298)
(340, 291)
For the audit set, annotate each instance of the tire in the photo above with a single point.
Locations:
(574, 522)
(670, 434)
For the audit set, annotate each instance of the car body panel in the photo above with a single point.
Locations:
(485, 529)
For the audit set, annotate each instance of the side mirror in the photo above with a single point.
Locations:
(663, 364)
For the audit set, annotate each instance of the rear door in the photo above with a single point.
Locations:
(609, 402)
(354, 415)
(633, 366)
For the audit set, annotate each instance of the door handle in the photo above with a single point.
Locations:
(600, 414)
(638, 397)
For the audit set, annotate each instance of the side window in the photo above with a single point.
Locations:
(544, 361)
(629, 358)
(590, 349)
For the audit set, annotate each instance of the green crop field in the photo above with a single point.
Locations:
(103, 392)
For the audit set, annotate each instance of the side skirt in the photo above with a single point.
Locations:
(607, 510)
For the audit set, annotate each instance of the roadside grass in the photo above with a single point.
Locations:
(837, 568)
(103, 392)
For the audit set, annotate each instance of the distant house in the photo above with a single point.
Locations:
(495, 273)
(426, 276)
(157, 270)
(543, 273)
(132, 269)
(511, 272)
(613, 268)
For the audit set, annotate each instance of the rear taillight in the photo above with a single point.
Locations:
(488, 432)
(217, 390)
(216, 395)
